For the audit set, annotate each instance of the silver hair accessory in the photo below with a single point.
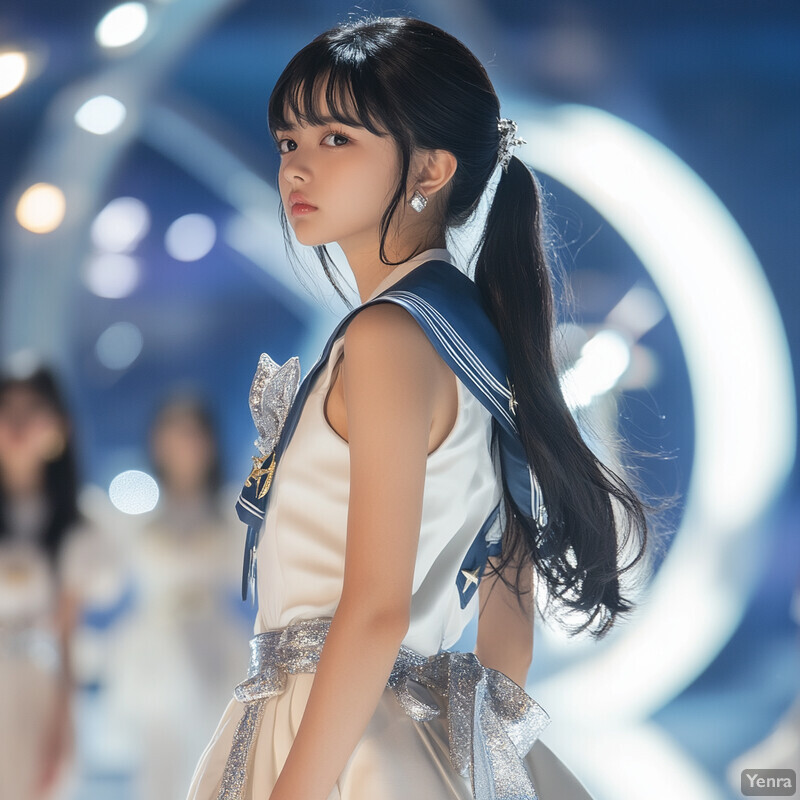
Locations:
(508, 141)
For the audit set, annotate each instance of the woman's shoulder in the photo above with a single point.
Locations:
(386, 341)
(391, 364)
(386, 326)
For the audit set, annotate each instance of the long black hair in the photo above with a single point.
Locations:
(426, 88)
(60, 478)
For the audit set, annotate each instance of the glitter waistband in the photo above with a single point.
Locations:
(492, 721)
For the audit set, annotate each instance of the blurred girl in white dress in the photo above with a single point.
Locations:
(174, 655)
(50, 556)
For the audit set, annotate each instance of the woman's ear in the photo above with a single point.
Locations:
(434, 170)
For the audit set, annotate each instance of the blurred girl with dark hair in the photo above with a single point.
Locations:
(183, 642)
(50, 560)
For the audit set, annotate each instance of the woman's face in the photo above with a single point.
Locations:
(183, 450)
(346, 173)
(31, 430)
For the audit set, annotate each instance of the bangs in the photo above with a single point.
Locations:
(351, 93)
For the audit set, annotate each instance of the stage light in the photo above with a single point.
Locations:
(123, 25)
(190, 237)
(13, 69)
(41, 208)
(111, 275)
(603, 361)
(119, 345)
(637, 312)
(133, 492)
(121, 225)
(101, 114)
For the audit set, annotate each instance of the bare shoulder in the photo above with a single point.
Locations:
(390, 363)
(384, 338)
(386, 325)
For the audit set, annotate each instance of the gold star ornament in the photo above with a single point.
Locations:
(260, 472)
(471, 577)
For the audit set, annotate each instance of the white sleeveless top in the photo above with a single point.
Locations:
(300, 557)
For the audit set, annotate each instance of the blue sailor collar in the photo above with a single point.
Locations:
(448, 306)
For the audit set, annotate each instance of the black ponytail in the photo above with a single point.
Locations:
(430, 92)
(582, 564)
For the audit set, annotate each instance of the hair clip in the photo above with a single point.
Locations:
(508, 141)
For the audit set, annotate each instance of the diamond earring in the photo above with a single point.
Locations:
(418, 201)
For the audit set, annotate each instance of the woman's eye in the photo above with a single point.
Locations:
(289, 145)
(338, 136)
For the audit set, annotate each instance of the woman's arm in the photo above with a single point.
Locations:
(59, 741)
(390, 381)
(505, 633)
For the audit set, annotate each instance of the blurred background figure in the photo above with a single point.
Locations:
(53, 565)
(183, 645)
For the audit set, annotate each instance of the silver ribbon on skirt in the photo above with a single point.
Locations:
(492, 722)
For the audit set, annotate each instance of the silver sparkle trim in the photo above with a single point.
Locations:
(492, 722)
(508, 141)
(271, 395)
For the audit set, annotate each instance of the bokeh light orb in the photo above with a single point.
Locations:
(133, 492)
(41, 208)
(121, 225)
(13, 69)
(122, 25)
(111, 275)
(119, 345)
(101, 115)
(190, 237)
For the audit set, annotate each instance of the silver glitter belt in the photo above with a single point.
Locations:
(492, 722)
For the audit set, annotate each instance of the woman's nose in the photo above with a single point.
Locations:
(295, 166)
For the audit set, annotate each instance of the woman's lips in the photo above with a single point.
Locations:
(302, 208)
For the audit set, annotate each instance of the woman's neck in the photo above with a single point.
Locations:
(432, 253)
(22, 481)
(372, 274)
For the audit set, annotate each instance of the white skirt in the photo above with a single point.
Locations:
(396, 758)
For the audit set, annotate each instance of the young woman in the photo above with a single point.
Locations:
(53, 562)
(405, 461)
(185, 568)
